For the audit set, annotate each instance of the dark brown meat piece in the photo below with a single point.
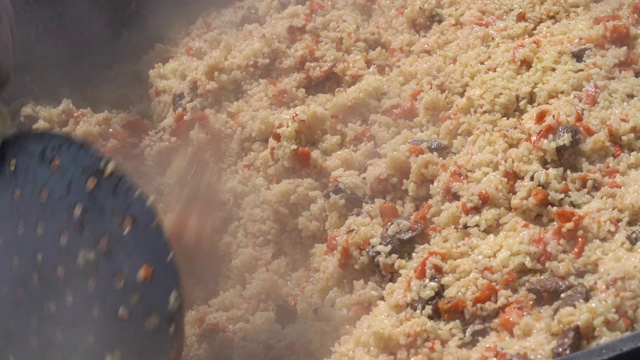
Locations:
(397, 235)
(432, 302)
(548, 289)
(285, 314)
(400, 230)
(434, 146)
(177, 101)
(569, 135)
(578, 55)
(353, 201)
(476, 331)
(633, 237)
(573, 296)
(568, 342)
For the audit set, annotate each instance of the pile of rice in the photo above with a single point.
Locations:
(355, 179)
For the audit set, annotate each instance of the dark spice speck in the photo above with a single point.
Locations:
(578, 55)
(633, 237)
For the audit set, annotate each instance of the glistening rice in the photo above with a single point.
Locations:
(398, 179)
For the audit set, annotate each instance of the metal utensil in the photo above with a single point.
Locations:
(85, 269)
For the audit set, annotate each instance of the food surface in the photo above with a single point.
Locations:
(393, 179)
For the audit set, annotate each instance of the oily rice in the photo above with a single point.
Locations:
(394, 179)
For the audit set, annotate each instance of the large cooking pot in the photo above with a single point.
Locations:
(67, 46)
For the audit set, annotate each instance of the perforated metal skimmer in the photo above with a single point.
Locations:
(85, 269)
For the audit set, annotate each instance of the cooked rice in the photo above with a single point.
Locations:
(271, 103)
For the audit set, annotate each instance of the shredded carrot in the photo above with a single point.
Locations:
(388, 212)
(626, 322)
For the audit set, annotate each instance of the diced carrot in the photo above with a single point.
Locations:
(606, 18)
(303, 158)
(422, 213)
(345, 255)
(564, 216)
(626, 322)
(541, 115)
(522, 16)
(614, 185)
(416, 150)
(547, 130)
(586, 128)
(421, 270)
(485, 294)
(611, 172)
(512, 178)
(541, 196)
(509, 278)
(275, 135)
(510, 318)
(414, 95)
(332, 243)
(578, 249)
(399, 112)
(179, 116)
(619, 35)
(592, 92)
(544, 254)
(484, 196)
(617, 151)
(388, 212)
(450, 309)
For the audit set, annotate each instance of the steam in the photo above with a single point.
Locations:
(92, 51)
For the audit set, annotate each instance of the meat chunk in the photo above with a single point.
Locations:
(633, 237)
(573, 296)
(396, 235)
(285, 314)
(400, 231)
(568, 342)
(568, 136)
(433, 146)
(578, 55)
(336, 189)
(431, 302)
(548, 289)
